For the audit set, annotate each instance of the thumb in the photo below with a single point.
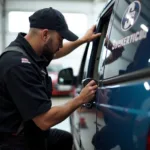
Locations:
(97, 35)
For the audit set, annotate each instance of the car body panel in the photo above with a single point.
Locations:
(125, 111)
(119, 117)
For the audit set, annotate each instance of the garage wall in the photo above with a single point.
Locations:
(0, 27)
(90, 9)
(29, 5)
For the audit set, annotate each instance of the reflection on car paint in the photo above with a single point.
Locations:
(126, 115)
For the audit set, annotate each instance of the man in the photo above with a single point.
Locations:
(25, 86)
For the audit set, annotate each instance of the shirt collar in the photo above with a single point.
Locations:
(23, 43)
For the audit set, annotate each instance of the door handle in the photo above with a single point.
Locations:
(87, 80)
(84, 83)
(88, 105)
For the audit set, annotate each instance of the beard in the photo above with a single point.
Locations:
(47, 51)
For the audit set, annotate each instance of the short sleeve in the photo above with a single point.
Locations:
(27, 91)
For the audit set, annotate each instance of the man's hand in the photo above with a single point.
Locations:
(88, 92)
(90, 35)
(68, 47)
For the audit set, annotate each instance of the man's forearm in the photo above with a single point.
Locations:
(59, 113)
(68, 47)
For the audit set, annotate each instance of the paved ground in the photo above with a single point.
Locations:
(87, 134)
(58, 101)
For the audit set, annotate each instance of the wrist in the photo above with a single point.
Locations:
(82, 40)
(79, 100)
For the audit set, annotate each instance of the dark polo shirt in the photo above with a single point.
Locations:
(25, 87)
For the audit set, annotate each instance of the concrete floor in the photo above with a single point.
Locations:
(66, 126)
(60, 101)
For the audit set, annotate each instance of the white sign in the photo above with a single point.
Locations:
(139, 35)
(131, 15)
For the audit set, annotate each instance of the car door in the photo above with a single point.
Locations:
(123, 98)
(88, 112)
(76, 120)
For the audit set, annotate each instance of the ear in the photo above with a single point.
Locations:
(45, 35)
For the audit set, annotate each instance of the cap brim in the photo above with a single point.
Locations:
(68, 35)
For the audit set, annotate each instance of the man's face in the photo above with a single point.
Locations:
(52, 45)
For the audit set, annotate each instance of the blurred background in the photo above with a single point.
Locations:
(79, 14)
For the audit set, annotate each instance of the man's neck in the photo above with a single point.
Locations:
(33, 41)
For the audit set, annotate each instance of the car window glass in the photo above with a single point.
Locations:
(104, 54)
(128, 45)
(102, 50)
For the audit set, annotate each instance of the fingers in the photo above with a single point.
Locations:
(98, 34)
(94, 36)
(94, 87)
(90, 35)
(93, 91)
(91, 83)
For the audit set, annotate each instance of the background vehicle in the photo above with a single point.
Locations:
(118, 117)
(58, 90)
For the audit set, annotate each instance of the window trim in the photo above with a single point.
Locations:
(81, 69)
(100, 50)
(104, 19)
(133, 76)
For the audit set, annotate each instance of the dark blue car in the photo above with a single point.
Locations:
(118, 118)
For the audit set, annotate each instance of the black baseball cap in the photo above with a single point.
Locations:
(52, 19)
